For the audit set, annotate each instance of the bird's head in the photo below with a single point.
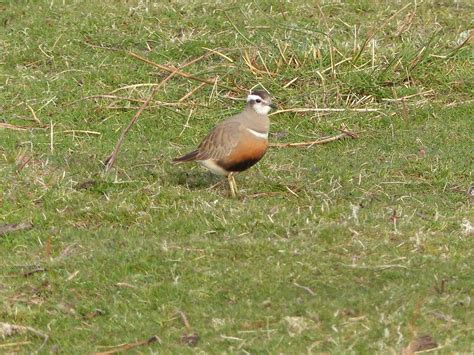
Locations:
(260, 102)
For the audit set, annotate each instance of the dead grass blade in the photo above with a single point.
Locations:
(343, 135)
(132, 86)
(129, 346)
(191, 92)
(180, 72)
(18, 128)
(33, 113)
(326, 110)
(114, 97)
(110, 160)
(215, 51)
(16, 344)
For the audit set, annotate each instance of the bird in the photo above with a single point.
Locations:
(237, 143)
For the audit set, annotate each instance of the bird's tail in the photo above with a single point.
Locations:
(185, 158)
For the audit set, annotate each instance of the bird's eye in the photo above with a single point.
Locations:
(258, 100)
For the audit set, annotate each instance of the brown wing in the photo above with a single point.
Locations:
(220, 142)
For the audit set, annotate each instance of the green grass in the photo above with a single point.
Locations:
(326, 270)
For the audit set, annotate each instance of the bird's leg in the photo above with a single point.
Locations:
(235, 184)
(231, 186)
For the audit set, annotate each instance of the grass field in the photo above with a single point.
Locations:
(358, 245)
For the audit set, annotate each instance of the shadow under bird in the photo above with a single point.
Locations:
(237, 143)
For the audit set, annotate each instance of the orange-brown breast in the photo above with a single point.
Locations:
(248, 152)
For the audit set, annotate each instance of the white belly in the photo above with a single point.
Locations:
(213, 167)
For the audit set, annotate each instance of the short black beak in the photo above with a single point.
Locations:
(273, 106)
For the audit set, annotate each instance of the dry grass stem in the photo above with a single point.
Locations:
(114, 97)
(376, 267)
(15, 127)
(133, 86)
(316, 142)
(307, 289)
(128, 346)
(110, 160)
(290, 82)
(191, 92)
(179, 72)
(186, 125)
(215, 51)
(79, 131)
(326, 110)
(51, 137)
(33, 113)
(10, 345)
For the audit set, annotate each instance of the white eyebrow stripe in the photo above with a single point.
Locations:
(252, 97)
(258, 134)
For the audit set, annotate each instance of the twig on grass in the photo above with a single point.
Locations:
(107, 96)
(231, 338)
(343, 135)
(19, 128)
(375, 267)
(9, 345)
(34, 115)
(303, 109)
(133, 86)
(130, 99)
(290, 82)
(349, 133)
(215, 51)
(186, 124)
(128, 346)
(191, 92)
(110, 160)
(334, 66)
(80, 131)
(180, 72)
(307, 289)
(51, 137)
(404, 98)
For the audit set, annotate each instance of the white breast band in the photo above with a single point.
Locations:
(258, 134)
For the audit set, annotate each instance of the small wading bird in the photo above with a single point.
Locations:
(237, 143)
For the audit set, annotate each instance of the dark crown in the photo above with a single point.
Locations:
(263, 94)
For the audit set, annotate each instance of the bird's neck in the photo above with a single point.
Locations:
(255, 121)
